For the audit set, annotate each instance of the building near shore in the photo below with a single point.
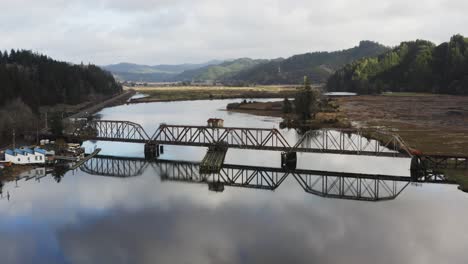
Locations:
(26, 156)
(37, 172)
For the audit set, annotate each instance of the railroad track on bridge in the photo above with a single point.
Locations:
(344, 141)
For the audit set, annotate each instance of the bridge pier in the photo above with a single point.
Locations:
(417, 168)
(289, 160)
(214, 159)
(216, 186)
(151, 151)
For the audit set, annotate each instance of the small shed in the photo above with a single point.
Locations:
(215, 122)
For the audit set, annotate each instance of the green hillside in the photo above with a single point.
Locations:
(416, 66)
(157, 73)
(219, 72)
(318, 66)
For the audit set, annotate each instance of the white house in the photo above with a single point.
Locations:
(26, 156)
(37, 172)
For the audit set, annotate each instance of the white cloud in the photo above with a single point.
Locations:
(164, 31)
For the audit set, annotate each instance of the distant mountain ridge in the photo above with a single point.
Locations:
(162, 68)
(318, 66)
(157, 73)
(219, 72)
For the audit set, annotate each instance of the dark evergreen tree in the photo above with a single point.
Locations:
(56, 124)
(306, 101)
(287, 106)
(39, 80)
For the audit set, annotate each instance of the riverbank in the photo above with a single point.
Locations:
(433, 124)
(185, 93)
(459, 176)
(329, 117)
(95, 107)
(68, 112)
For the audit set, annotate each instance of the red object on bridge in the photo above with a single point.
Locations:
(416, 152)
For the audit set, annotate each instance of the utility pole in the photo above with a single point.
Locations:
(14, 137)
(37, 132)
(46, 127)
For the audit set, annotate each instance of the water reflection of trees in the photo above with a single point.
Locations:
(59, 172)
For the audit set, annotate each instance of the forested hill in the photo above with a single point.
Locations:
(39, 80)
(219, 72)
(157, 73)
(417, 66)
(318, 66)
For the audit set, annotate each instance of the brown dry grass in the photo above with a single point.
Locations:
(436, 124)
(179, 93)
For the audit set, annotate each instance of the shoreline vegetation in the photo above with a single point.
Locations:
(188, 93)
(36, 88)
(76, 111)
(433, 124)
(325, 118)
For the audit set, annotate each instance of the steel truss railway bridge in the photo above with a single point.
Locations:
(345, 141)
(351, 186)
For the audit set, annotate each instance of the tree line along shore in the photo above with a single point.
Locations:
(33, 82)
(34, 85)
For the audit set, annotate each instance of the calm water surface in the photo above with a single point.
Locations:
(86, 218)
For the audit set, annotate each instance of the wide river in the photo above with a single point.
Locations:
(88, 216)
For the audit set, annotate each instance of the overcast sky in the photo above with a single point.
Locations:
(176, 31)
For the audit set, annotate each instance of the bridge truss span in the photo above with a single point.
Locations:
(233, 176)
(332, 141)
(114, 167)
(246, 138)
(109, 130)
(336, 185)
(352, 188)
(352, 141)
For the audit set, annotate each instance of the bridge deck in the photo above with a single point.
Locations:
(269, 169)
(266, 148)
(347, 142)
(325, 184)
(339, 185)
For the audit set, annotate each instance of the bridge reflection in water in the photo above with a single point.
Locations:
(350, 186)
